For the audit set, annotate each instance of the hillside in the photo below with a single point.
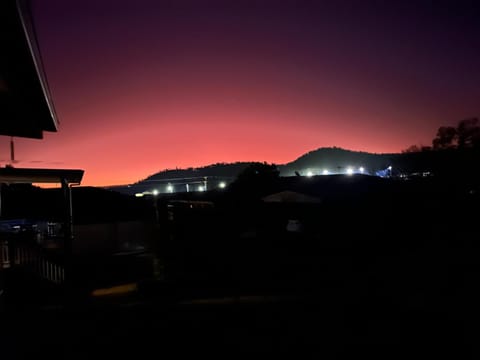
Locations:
(336, 160)
(331, 160)
(219, 169)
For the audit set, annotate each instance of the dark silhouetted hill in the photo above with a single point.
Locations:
(336, 160)
(461, 162)
(218, 169)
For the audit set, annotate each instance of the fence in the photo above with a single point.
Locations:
(31, 259)
(4, 256)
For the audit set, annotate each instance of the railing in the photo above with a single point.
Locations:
(46, 269)
(33, 260)
(4, 256)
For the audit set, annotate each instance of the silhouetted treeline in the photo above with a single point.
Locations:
(463, 136)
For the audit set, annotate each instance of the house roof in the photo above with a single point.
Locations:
(26, 108)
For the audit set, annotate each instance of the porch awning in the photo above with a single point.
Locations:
(11, 175)
(26, 108)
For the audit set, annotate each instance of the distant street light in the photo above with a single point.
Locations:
(170, 188)
(222, 185)
(155, 205)
(309, 174)
(349, 171)
(201, 188)
(325, 172)
(362, 169)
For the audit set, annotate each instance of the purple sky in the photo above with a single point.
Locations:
(140, 86)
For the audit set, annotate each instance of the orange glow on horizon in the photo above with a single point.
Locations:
(142, 88)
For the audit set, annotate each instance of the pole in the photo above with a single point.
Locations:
(67, 232)
(158, 268)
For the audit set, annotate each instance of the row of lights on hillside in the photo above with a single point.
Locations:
(350, 171)
(170, 189)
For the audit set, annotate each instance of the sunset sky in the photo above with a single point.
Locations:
(140, 86)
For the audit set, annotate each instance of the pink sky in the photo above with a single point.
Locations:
(143, 87)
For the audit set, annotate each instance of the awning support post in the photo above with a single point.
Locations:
(67, 230)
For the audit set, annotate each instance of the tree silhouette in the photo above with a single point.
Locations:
(258, 172)
(446, 138)
(256, 179)
(412, 149)
(416, 149)
(465, 135)
(468, 133)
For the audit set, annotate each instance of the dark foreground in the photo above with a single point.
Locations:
(322, 328)
(334, 323)
(392, 276)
